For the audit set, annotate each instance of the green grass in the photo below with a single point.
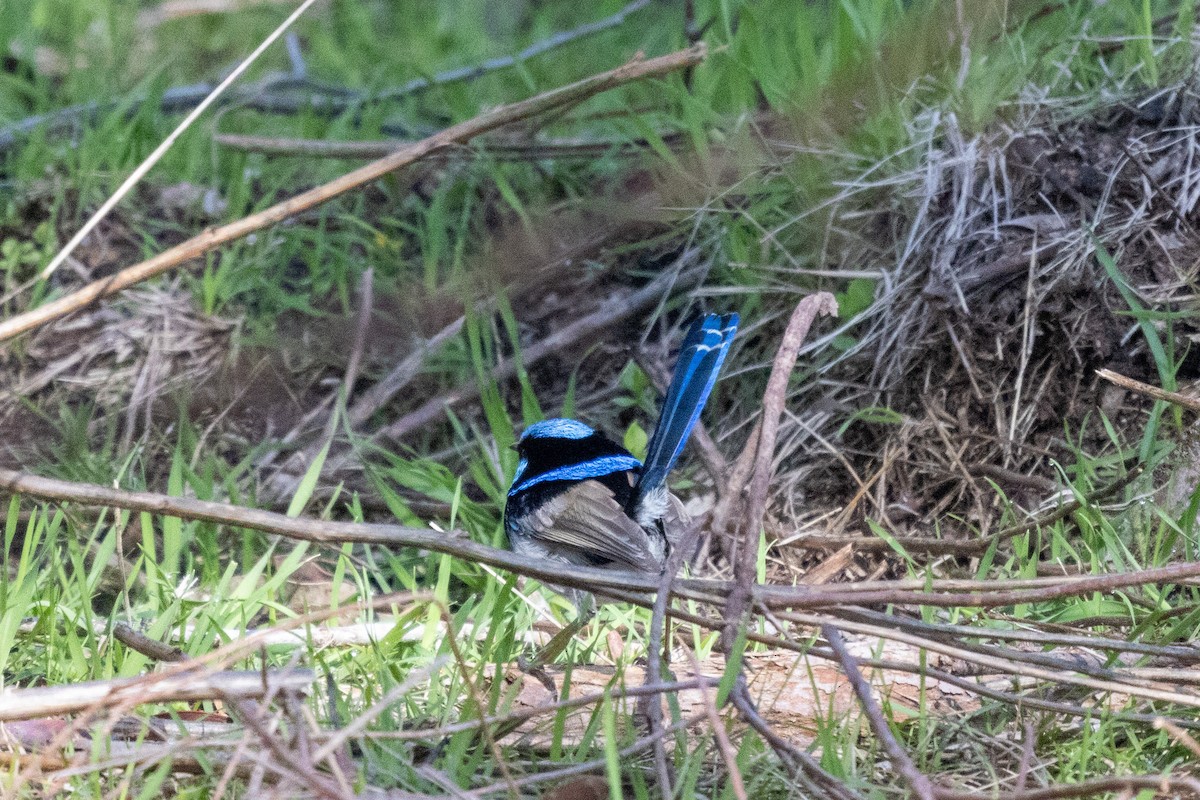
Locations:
(833, 72)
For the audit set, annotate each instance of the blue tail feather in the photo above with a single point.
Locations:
(700, 360)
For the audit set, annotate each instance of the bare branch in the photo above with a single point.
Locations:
(938, 593)
(1183, 400)
(190, 686)
(746, 550)
(560, 98)
(920, 785)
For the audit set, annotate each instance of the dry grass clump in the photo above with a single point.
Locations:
(125, 353)
(993, 310)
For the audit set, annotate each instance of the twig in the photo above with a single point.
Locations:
(504, 62)
(332, 100)
(161, 150)
(1022, 664)
(731, 500)
(1027, 757)
(189, 686)
(359, 723)
(604, 318)
(1067, 509)
(802, 765)
(283, 483)
(401, 375)
(563, 97)
(517, 151)
(657, 648)
(489, 735)
(724, 746)
(929, 544)
(938, 593)
(1190, 403)
(922, 669)
(1178, 734)
(984, 596)
(745, 561)
(366, 305)
(917, 781)
(1129, 785)
(300, 767)
(1184, 653)
(139, 642)
(505, 724)
(589, 766)
(745, 551)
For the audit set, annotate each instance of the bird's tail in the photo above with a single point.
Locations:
(700, 359)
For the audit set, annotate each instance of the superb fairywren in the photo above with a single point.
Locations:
(580, 498)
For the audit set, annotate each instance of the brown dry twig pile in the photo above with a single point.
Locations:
(993, 314)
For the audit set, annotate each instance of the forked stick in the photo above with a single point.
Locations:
(763, 446)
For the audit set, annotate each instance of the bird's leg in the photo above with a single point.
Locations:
(585, 606)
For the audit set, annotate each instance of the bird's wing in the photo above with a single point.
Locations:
(588, 518)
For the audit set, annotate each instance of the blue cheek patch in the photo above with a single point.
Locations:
(522, 465)
(596, 468)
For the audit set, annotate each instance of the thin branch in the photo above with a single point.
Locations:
(283, 483)
(152, 159)
(298, 766)
(358, 725)
(1184, 653)
(657, 648)
(1026, 763)
(724, 746)
(746, 559)
(929, 544)
(381, 393)
(507, 723)
(366, 306)
(329, 99)
(802, 765)
(510, 151)
(917, 781)
(922, 669)
(1177, 733)
(1183, 400)
(189, 686)
(563, 97)
(489, 735)
(152, 648)
(504, 62)
(610, 313)
(589, 766)
(1029, 665)
(980, 593)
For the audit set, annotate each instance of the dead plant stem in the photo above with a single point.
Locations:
(917, 781)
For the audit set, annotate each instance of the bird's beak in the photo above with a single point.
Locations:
(513, 447)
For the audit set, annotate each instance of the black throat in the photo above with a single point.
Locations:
(546, 454)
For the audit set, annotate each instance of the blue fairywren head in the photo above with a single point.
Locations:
(570, 449)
